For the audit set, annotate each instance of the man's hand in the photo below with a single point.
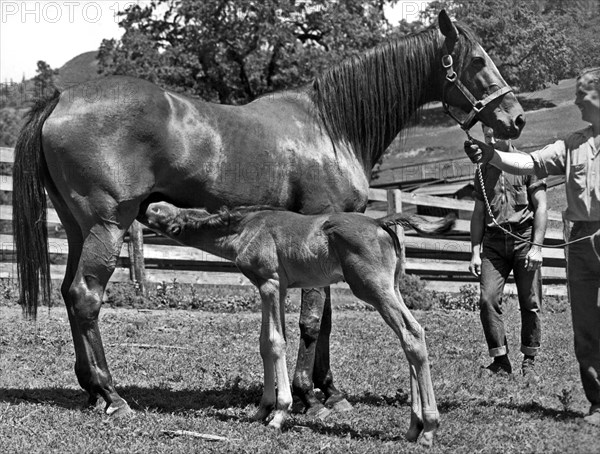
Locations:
(478, 152)
(534, 258)
(475, 265)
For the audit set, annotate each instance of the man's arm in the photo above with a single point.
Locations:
(515, 163)
(477, 231)
(540, 219)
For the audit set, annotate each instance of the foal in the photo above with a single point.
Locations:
(277, 250)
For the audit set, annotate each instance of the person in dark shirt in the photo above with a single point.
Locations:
(518, 204)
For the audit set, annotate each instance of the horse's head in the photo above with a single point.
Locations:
(471, 82)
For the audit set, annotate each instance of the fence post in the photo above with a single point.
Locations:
(137, 270)
(394, 199)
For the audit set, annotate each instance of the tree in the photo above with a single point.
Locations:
(232, 51)
(10, 125)
(532, 43)
(44, 78)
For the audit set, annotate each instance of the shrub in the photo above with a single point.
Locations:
(414, 293)
(466, 299)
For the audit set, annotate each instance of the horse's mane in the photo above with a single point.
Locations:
(224, 217)
(368, 98)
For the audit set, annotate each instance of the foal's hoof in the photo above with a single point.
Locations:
(119, 410)
(318, 411)
(426, 439)
(339, 404)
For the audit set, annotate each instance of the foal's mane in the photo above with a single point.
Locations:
(224, 217)
(367, 99)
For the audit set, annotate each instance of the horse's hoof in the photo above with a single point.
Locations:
(340, 406)
(318, 411)
(261, 414)
(95, 404)
(118, 411)
(412, 434)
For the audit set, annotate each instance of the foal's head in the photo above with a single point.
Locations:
(167, 218)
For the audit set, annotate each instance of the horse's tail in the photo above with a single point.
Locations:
(29, 208)
(421, 225)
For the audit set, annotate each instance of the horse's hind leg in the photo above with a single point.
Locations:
(83, 297)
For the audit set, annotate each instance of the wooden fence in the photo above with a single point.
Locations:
(442, 262)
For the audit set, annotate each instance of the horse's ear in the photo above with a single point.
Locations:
(447, 28)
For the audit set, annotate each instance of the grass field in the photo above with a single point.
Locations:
(199, 371)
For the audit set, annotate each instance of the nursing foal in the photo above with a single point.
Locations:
(277, 250)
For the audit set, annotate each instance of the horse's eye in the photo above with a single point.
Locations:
(175, 230)
(478, 62)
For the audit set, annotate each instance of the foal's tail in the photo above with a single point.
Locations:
(422, 226)
(29, 207)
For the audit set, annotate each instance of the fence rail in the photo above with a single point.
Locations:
(442, 262)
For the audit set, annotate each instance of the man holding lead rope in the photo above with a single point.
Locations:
(578, 158)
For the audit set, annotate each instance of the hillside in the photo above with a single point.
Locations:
(80, 69)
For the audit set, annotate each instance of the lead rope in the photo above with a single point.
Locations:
(508, 232)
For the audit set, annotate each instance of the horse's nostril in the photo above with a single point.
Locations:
(520, 122)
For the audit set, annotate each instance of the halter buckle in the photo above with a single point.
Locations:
(447, 63)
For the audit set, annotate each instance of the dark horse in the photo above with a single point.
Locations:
(106, 149)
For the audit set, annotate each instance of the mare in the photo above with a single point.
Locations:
(277, 250)
(107, 148)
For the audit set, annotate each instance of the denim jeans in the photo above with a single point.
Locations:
(501, 255)
(583, 277)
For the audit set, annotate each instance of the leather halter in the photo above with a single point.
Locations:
(452, 81)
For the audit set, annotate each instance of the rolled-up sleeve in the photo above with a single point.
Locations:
(550, 160)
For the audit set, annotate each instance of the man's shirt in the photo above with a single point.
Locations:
(509, 196)
(577, 158)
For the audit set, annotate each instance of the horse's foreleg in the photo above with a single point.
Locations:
(83, 298)
(311, 312)
(322, 376)
(273, 339)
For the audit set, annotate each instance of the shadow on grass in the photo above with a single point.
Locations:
(156, 399)
(161, 400)
(535, 408)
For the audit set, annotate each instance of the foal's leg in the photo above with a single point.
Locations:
(83, 298)
(273, 343)
(416, 417)
(380, 293)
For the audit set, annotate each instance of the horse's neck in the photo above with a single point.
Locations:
(370, 107)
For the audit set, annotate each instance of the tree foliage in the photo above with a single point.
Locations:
(231, 51)
(533, 43)
(44, 79)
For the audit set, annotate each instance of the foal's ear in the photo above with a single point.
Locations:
(447, 28)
